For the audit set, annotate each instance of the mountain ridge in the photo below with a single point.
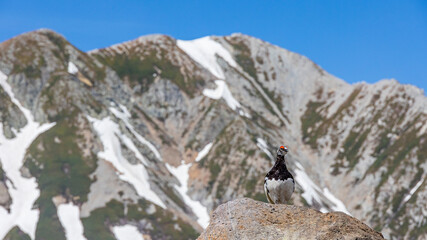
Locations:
(158, 98)
(160, 35)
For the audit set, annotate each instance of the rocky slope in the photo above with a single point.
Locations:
(148, 136)
(245, 218)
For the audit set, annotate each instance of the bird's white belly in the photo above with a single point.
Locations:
(280, 191)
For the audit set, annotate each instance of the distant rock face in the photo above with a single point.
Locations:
(245, 218)
(177, 128)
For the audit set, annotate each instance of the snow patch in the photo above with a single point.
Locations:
(124, 115)
(151, 209)
(339, 206)
(413, 190)
(127, 232)
(72, 69)
(23, 191)
(111, 138)
(323, 210)
(222, 91)
(311, 190)
(205, 51)
(422, 130)
(69, 216)
(204, 152)
(381, 123)
(181, 173)
(263, 146)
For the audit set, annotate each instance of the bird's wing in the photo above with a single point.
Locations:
(266, 193)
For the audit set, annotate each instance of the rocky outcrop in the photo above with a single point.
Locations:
(245, 218)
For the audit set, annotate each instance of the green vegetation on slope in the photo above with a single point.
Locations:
(352, 145)
(243, 56)
(60, 168)
(309, 121)
(28, 59)
(142, 70)
(163, 226)
(244, 59)
(62, 54)
(16, 234)
(314, 126)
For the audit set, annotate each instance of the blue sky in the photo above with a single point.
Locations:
(354, 40)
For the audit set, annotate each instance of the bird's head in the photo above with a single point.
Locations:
(282, 151)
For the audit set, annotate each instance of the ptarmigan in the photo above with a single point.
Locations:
(279, 183)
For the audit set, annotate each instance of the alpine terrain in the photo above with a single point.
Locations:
(143, 139)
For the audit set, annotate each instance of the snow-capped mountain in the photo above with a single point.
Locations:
(145, 138)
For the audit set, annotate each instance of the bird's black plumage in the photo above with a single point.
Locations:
(279, 171)
(279, 183)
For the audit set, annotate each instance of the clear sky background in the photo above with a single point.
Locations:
(356, 40)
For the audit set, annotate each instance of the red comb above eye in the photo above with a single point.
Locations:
(282, 147)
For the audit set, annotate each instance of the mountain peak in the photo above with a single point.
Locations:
(141, 40)
(47, 31)
(29, 51)
(36, 35)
